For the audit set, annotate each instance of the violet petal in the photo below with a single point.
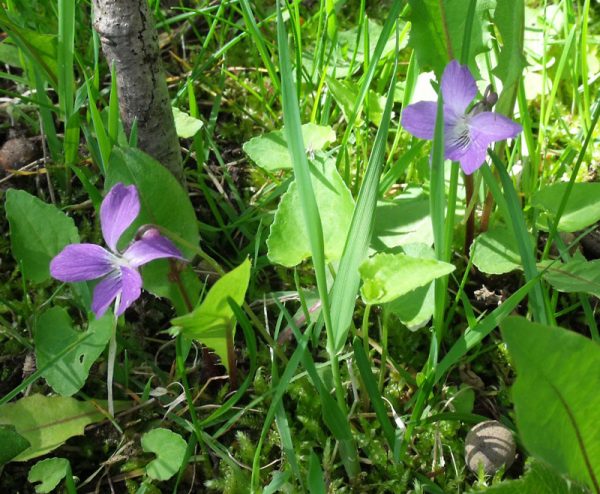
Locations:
(150, 247)
(131, 288)
(81, 262)
(105, 292)
(419, 119)
(458, 87)
(474, 156)
(119, 208)
(494, 126)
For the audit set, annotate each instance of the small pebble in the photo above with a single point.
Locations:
(490, 444)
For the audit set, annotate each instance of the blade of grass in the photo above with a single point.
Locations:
(526, 250)
(359, 235)
(310, 213)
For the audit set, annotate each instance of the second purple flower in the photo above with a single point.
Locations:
(467, 131)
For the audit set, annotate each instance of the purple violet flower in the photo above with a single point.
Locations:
(467, 133)
(119, 271)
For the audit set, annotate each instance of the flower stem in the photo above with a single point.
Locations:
(112, 356)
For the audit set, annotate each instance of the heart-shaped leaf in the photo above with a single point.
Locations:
(49, 473)
(496, 251)
(12, 443)
(288, 240)
(575, 276)
(169, 448)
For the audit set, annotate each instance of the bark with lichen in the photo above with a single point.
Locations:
(130, 44)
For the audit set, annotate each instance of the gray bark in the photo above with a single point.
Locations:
(130, 43)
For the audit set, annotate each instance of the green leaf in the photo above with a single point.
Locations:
(48, 421)
(169, 448)
(185, 125)
(539, 479)
(53, 331)
(163, 202)
(581, 211)
(345, 94)
(210, 322)
(388, 276)
(415, 308)
(270, 151)
(556, 396)
(12, 443)
(38, 232)
(288, 241)
(575, 276)
(49, 472)
(436, 25)
(403, 220)
(496, 251)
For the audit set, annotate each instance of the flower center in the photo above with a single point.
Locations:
(461, 134)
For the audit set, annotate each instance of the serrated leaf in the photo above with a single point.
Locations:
(169, 448)
(12, 443)
(575, 276)
(210, 322)
(53, 331)
(270, 151)
(163, 202)
(49, 473)
(38, 232)
(539, 479)
(48, 421)
(387, 276)
(496, 251)
(185, 125)
(556, 396)
(288, 241)
(581, 211)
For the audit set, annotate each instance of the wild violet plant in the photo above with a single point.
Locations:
(120, 278)
(468, 130)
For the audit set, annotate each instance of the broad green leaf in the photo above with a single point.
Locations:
(9, 55)
(185, 125)
(581, 211)
(556, 396)
(270, 151)
(288, 241)
(415, 308)
(437, 24)
(163, 202)
(539, 479)
(345, 94)
(49, 473)
(12, 443)
(169, 448)
(496, 251)
(53, 331)
(38, 232)
(210, 322)
(388, 276)
(48, 421)
(575, 276)
(401, 221)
